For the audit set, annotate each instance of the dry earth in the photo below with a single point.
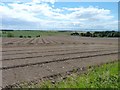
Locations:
(30, 59)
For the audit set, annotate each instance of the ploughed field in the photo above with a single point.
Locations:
(32, 59)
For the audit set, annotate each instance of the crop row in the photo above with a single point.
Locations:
(35, 73)
(59, 60)
(46, 54)
(18, 41)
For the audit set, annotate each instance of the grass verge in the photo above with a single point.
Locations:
(104, 76)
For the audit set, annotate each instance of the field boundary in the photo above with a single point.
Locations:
(60, 76)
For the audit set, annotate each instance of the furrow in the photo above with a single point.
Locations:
(58, 60)
(37, 55)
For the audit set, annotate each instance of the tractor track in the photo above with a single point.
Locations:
(34, 49)
(37, 51)
(64, 53)
(58, 60)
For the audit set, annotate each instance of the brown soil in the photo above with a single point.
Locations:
(35, 58)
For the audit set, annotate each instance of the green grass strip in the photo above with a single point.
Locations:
(104, 76)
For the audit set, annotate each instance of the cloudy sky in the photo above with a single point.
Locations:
(40, 15)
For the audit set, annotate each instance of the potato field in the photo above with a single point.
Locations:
(35, 59)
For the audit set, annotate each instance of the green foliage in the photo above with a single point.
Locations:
(38, 36)
(4, 32)
(82, 34)
(88, 34)
(75, 34)
(29, 36)
(101, 34)
(10, 35)
(106, 34)
(21, 36)
(33, 33)
(105, 76)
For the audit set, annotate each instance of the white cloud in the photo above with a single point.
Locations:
(49, 16)
(17, 12)
(42, 1)
(90, 13)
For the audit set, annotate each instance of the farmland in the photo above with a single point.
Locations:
(33, 34)
(50, 56)
(103, 76)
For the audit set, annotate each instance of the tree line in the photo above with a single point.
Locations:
(98, 34)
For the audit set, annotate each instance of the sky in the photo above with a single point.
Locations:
(52, 15)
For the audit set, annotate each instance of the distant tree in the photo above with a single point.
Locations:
(88, 34)
(75, 34)
(101, 34)
(10, 35)
(94, 35)
(82, 34)
(116, 34)
(3, 32)
(21, 36)
(109, 35)
(38, 36)
(29, 36)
